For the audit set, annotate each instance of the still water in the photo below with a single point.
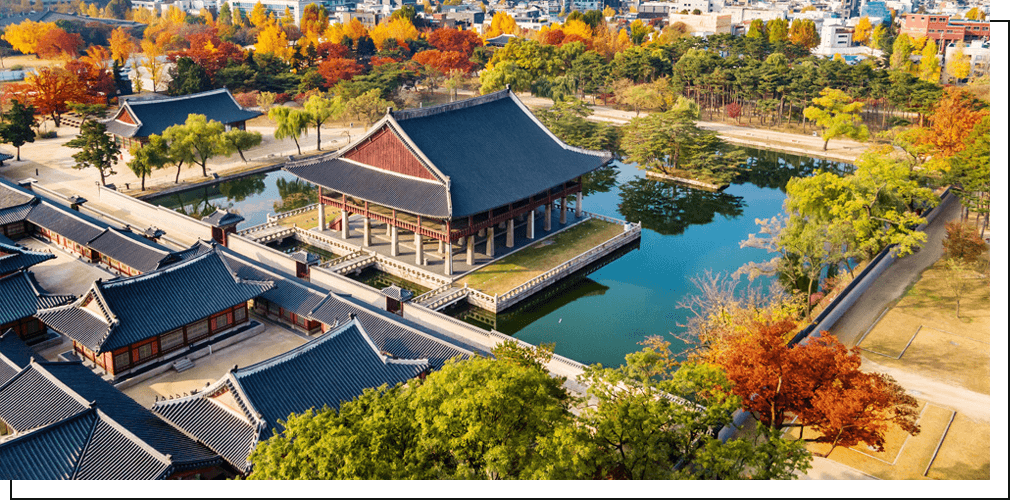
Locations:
(600, 317)
(603, 315)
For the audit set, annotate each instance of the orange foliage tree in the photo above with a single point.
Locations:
(210, 53)
(49, 90)
(819, 383)
(94, 74)
(445, 61)
(448, 39)
(57, 43)
(953, 119)
(122, 45)
(337, 69)
(24, 37)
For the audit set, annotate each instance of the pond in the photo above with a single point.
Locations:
(254, 196)
(600, 317)
(603, 315)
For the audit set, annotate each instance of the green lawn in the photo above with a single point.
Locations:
(534, 260)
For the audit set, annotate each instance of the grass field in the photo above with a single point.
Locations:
(532, 261)
(965, 451)
(310, 219)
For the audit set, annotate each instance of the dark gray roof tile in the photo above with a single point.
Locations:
(14, 258)
(156, 115)
(124, 246)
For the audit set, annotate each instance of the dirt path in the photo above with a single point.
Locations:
(972, 404)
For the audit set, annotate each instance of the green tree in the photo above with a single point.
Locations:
(671, 142)
(187, 77)
(179, 148)
(149, 157)
(290, 123)
(87, 111)
(202, 136)
(369, 105)
(98, 149)
(321, 109)
(16, 126)
(901, 53)
(778, 30)
(237, 141)
(838, 115)
(969, 173)
(568, 120)
(756, 29)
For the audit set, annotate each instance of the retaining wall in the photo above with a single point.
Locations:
(262, 253)
(863, 281)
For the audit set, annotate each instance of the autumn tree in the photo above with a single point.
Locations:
(337, 69)
(818, 382)
(98, 149)
(756, 29)
(25, 36)
(315, 20)
(57, 43)
(151, 156)
(122, 45)
(959, 66)
(929, 65)
(49, 90)
(259, 17)
(864, 30)
(274, 40)
(901, 53)
(399, 29)
(153, 63)
(448, 39)
(777, 30)
(803, 32)
(838, 115)
(501, 24)
(16, 125)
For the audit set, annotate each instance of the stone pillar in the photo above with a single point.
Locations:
(389, 229)
(367, 228)
(469, 250)
(482, 232)
(529, 223)
(441, 247)
(418, 248)
(448, 259)
(578, 205)
(343, 224)
(509, 235)
(322, 217)
(394, 243)
(564, 211)
(548, 208)
(490, 242)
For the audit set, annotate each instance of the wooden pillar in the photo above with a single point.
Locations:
(343, 223)
(490, 242)
(448, 258)
(418, 248)
(578, 205)
(509, 235)
(547, 215)
(529, 223)
(564, 210)
(469, 250)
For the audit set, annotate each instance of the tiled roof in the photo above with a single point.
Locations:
(388, 335)
(34, 398)
(20, 297)
(14, 355)
(226, 432)
(88, 445)
(326, 371)
(223, 218)
(70, 224)
(154, 431)
(4, 156)
(377, 186)
(14, 258)
(140, 307)
(493, 150)
(13, 196)
(130, 249)
(154, 116)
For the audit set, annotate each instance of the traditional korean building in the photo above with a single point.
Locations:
(449, 172)
(243, 407)
(126, 324)
(20, 301)
(137, 119)
(14, 258)
(15, 205)
(62, 421)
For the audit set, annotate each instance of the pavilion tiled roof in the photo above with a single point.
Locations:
(327, 371)
(20, 297)
(223, 218)
(87, 446)
(137, 252)
(141, 307)
(485, 152)
(153, 116)
(14, 258)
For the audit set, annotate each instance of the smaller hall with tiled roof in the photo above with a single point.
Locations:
(136, 119)
(245, 406)
(126, 323)
(452, 172)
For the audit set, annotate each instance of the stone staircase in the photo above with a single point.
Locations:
(182, 365)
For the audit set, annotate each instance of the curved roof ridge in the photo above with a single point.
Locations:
(594, 152)
(175, 98)
(408, 114)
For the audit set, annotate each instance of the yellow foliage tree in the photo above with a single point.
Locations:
(154, 66)
(175, 15)
(259, 16)
(24, 37)
(122, 45)
(397, 28)
(929, 66)
(502, 24)
(609, 12)
(864, 29)
(289, 17)
(93, 10)
(579, 28)
(273, 40)
(208, 18)
(959, 65)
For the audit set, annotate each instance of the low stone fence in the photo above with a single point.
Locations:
(257, 228)
(292, 213)
(182, 227)
(334, 245)
(262, 253)
(855, 289)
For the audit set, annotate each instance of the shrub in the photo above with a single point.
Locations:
(45, 134)
(962, 242)
(246, 99)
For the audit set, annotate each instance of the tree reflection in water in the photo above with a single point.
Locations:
(770, 169)
(200, 202)
(669, 208)
(601, 180)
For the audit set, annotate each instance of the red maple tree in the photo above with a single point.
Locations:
(335, 70)
(57, 43)
(444, 61)
(448, 39)
(209, 52)
(49, 89)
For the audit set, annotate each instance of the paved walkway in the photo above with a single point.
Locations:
(893, 282)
